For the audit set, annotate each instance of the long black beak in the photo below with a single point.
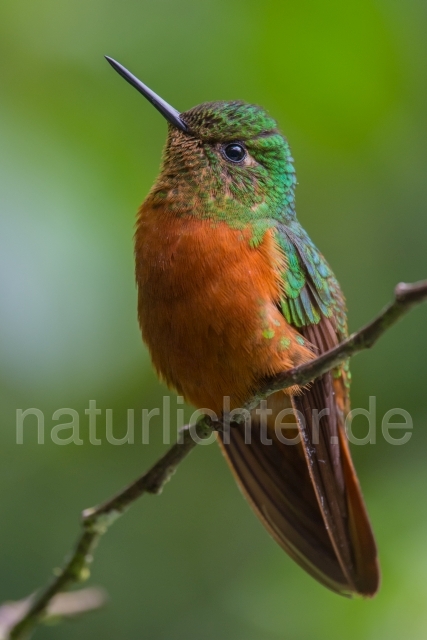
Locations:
(172, 115)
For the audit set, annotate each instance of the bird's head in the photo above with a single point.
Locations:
(222, 161)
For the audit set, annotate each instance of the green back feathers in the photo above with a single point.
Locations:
(311, 289)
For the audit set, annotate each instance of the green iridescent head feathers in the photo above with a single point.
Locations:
(198, 179)
(227, 121)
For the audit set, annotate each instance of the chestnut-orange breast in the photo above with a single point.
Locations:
(207, 307)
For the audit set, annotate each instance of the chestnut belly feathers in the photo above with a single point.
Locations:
(207, 307)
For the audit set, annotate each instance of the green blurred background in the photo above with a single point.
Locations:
(79, 150)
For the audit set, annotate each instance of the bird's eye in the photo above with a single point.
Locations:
(234, 152)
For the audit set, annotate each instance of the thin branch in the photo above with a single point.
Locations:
(96, 521)
(62, 605)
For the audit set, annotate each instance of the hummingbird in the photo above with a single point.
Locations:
(232, 291)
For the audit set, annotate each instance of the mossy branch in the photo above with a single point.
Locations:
(96, 521)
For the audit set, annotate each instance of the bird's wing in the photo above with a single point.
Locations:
(308, 495)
